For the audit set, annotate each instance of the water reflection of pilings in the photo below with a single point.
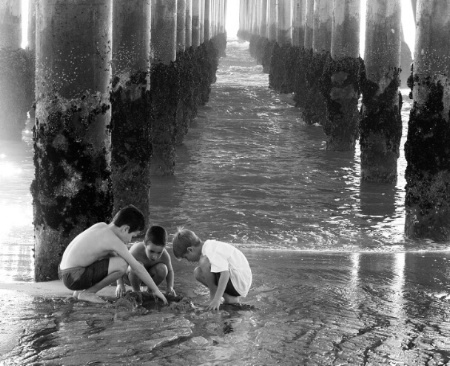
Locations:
(377, 200)
(389, 269)
(167, 195)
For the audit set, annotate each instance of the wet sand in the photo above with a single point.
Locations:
(309, 308)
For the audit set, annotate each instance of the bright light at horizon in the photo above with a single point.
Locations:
(409, 30)
(24, 20)
(232, 24)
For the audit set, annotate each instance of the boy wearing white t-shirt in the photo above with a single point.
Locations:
(222, 267)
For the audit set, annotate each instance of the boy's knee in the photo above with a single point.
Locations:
(198, 273)
(161, 270)
(122, 266)
(205, 264)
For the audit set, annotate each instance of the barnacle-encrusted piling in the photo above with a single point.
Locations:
(72, 188)
(130, 108)
(427, 148)
(279, 63)
(313, 106)
(381, 125)
(164, 88)
(340, 80)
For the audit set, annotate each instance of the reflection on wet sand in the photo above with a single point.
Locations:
(308, 308)
(250, 172)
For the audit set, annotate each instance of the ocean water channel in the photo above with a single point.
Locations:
(335, 280)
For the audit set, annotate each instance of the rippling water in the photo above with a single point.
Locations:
(253, 173)
(250, 172)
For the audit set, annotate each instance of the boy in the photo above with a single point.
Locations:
(99, 256)
(223, 269)
(153, 255)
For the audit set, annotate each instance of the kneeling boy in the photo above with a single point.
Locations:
(222, 268)
(99, 256)
(153, 255)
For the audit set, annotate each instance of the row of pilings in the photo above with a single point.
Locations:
(311, 48)
(113, 98)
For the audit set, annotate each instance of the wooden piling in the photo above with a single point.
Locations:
(196, 23)
(313, 107)
(207, 20)
(188, 22)
(322, 26)
(284, 24)
(164, 86)
(381, 124)
(309, 24)
(273, 20)
(298, 23)
(164, 30)
(202, 21)
(181, 25)
(71, 190)
(130, 110)
(16, 73)
(10, 24)
(340, 85)
(263, 25)
(427, 151)
(31, 32)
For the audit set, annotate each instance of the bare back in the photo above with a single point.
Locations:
(94, 243)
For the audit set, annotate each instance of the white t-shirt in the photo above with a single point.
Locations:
(225, 257)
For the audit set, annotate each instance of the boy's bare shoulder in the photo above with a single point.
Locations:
(97, 229)
(137, 247)
(104, 236)
(166, 257)
(100, 226)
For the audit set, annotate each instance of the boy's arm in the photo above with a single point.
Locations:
(120, 289)
(140, 270)
(170, 274)
(223, 281)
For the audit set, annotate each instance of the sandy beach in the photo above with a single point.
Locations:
(307, 309)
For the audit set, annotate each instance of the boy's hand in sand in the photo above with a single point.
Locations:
(171, 292)
(160, 295)
(214, 305)
(120, 291)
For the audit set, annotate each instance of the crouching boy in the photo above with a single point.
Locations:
(152, 254)
(223, 269)
(99, 256)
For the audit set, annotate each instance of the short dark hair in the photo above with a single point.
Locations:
(156, 235)
(131, 216)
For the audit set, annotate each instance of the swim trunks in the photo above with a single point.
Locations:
(82, 278)
(230, 290)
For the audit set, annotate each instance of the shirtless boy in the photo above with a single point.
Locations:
(154, 257)
(99, 256)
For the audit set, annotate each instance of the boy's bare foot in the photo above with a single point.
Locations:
(90, 297)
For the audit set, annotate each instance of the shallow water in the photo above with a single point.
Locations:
(340, 284)
(307, 309)
(250, 172)
(253, 173)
